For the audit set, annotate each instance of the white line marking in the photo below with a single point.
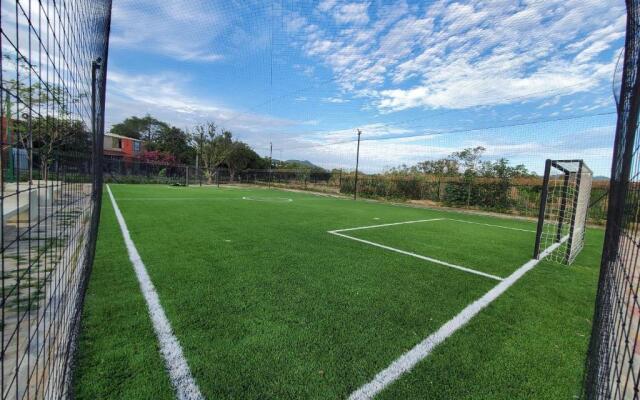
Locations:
(495, 226)
(433, 260)
(269, 199)
(380, 226)
(411, 358)
(179, 372)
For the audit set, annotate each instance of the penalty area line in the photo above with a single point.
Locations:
(410, 359)
(357, 228)
(492, 225)
(179, 372)
(407, 253)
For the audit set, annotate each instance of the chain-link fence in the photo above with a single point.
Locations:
(613, 370)
(53, 59)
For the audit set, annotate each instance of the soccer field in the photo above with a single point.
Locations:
(278, 294)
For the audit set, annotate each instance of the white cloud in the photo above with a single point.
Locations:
(335, 100)
(167, 28)
(453, 55)
(352, 13)
(198, 30)
(326, 5)
(164, 96)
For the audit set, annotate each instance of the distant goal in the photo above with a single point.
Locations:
(564, 203)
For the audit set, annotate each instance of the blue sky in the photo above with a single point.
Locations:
(525, 79)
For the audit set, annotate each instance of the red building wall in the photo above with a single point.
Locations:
(127, 148)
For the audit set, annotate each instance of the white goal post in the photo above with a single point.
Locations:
(564, 204)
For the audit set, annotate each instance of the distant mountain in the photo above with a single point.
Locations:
(298, 164)
(600, 178)
(303, 162)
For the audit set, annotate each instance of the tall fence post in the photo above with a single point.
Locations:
(271, 163)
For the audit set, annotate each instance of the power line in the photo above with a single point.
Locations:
(454, 131)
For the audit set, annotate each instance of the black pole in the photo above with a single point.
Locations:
(599, 365)
(355, 187)
(543, 205)
(270, 162)
(198, 165)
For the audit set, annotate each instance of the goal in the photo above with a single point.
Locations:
(564, 203)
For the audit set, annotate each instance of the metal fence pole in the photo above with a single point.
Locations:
(270, 163)
(355, 185)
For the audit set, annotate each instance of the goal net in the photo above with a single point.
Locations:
(564, 203)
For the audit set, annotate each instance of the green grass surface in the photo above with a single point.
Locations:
(119, 357)
(267, 304)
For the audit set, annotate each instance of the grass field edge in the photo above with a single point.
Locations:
(175, 362)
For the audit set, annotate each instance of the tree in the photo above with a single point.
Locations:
(469, 158)
(212, 147)
(146, 128)
(158, 136)
(49, 133)
(502, 170)
(441, 167)
(220, 149)
(176, 142)
(239, 157)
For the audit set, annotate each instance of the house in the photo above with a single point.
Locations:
(117, 146)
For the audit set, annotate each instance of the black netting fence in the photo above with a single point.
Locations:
(53, 59)
(516, 196)
(614, 356)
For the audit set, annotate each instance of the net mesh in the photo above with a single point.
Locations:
(565, 210)
(52, 103)
(613, 365)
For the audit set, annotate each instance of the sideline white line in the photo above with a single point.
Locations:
(409, 359)
(495, 226)
(179, 372)
(391, 224)
(433, 260)
(175, 198)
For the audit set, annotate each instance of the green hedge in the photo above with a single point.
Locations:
(498, 196)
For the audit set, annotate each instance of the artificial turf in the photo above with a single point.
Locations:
(267, 304)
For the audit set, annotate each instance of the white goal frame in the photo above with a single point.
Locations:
(564, 205)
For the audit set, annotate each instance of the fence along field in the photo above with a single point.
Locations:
(54, 57)
(612, 363)
(516, 196)
(53, 64)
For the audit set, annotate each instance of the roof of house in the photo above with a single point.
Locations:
(121, 137)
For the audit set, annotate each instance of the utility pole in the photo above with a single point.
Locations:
(355, 188)
(270, 161)
(198, 160)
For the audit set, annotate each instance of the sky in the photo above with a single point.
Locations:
(527, 80)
